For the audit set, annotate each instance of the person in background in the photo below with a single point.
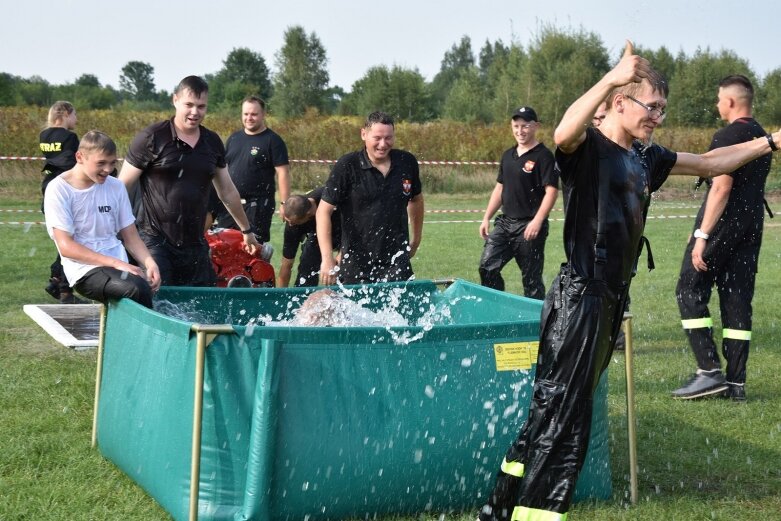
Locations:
(255, 155)
(59, 144)
(526, 190)
(87, 213)
(300, 227)
(610, 173)
(723, 251)
(377, 190)
(177, 161)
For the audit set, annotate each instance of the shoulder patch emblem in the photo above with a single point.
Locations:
(406, 185)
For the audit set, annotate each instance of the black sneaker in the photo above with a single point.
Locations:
(702, 384)
(735, 392)
(53, 288)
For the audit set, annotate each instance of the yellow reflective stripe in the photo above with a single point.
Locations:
(535, 514)
(513, 468)
(736, 334)
(696, 323)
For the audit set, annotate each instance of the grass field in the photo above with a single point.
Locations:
(707, 460)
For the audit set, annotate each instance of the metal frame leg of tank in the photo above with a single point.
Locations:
(205, 335)
(630, 408)
(99, 372)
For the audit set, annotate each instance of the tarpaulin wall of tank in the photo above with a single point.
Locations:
(320, 422)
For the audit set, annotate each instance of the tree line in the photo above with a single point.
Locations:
(549, 72)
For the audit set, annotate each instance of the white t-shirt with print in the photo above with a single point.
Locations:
(92, 216)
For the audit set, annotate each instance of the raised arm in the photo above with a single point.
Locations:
(725, 159)
(571, 131)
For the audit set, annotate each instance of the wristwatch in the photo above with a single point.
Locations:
(247, 231)
(699, 234)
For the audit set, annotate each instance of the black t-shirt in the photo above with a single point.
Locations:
(295, 235)
(176, 181)
(633, 175)
(59, 146)
(375, 234)
(744, 213)
(251, 161)
(524, 180)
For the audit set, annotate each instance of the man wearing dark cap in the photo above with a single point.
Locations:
(525, 190)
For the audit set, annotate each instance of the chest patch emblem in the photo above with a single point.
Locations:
(528, 166)
(254, 151)
(406, 185)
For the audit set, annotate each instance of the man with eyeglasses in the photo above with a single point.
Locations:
(525, 190)
(724, 251)
(609, 173)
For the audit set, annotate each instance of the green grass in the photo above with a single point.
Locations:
(707, 460)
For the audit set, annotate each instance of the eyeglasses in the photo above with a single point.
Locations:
(653, 112)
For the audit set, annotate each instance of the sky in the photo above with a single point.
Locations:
(62, 40)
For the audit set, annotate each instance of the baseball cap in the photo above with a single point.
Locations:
(525, 113)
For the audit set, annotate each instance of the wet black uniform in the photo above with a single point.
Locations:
(309, 263)
(251, 161)
(732, 254)
(523, 181)
(375, 232)
(580, 319)
(175, 188)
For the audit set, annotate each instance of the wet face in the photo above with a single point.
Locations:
(524, 131)
(253, 117)
(97, 166)
(641, 114)
(379, 140)
(190, 109)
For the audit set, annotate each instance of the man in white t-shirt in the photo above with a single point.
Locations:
(85, 210)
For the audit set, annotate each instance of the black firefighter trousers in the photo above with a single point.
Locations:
(733, 271)
(580, 320)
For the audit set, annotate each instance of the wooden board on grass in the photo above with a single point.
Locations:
(73, 325)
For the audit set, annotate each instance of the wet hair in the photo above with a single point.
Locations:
(194, 84)
(58, 112)
(97, 141)
(740, 81)
(297, 206)
(655, 78)
(255, 99)
(383, 118)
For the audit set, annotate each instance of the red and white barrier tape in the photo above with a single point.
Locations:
(316, 161)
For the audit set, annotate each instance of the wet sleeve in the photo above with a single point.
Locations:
(141, 150)
(218, 148)
(57, 208)
(337, 186)
(279, 151)
(663, 161)
(549, 174)
(414, 168)
(292, 238)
